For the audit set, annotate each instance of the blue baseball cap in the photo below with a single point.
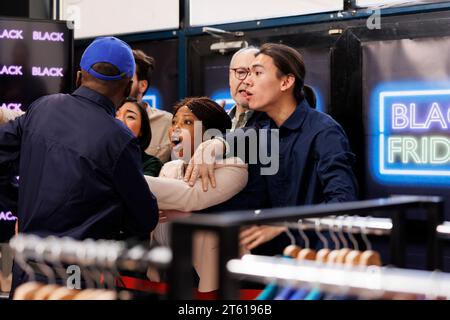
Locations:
(109, 50)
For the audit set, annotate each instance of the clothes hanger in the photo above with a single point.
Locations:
(353, 257)
(44, 292)
(110, 272)
(272, 291)
(369, 257)
(91, 291)
(332, 256)
(292, 250)
(94, 254)
(105, 263)
(344, 251)
(322, 254)
(316, 293)
(306, 253)
(62, 292)
(26, 290)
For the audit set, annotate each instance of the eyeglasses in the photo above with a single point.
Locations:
(240, 73)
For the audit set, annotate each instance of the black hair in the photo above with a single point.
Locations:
(208, 111)
(290, 61)
(106, 69)
(144, 65)
(145, 134)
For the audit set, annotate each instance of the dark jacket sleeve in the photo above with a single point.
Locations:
(334, 165)
(142, 209)
(10, 143)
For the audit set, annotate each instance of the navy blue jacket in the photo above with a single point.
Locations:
(315, 166)
(315, 161)
(80, 170)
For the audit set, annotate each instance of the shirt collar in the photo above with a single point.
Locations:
(232, 112)
(296, 119)
(97, 98)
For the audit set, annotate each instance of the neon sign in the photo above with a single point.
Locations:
(47, 72)
(223, 95)
(11, 106)
(153, 98)
(11, 70)
(319, 103)
(11, 34)
(411, 140)
(48, 36)
(7, 216)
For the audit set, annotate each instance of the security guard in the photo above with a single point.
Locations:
(80, 168)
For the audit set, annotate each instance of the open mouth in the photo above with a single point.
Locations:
(177, 146)
(242, 93)
(176, 139)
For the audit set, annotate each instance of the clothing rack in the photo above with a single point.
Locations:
(101, 254)
(350, 224)
(356, 225)
(367, 282)
(227, 226)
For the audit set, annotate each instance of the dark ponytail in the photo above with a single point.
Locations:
(310, 96)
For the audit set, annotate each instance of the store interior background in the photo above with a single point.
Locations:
(346, 61)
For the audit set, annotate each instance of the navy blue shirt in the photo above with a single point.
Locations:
(80, 169)
(315, 161)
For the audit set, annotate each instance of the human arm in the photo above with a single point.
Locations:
(141, 207)
(334, 165)
(242, 143)
(173, 194)
(10, 144)
(255, 235)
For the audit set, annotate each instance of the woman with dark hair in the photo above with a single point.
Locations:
(132, 113)
(193, 119)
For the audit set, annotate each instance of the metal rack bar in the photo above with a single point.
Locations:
(364, 281)
(101, 253)
(227, 225)
(371, 225)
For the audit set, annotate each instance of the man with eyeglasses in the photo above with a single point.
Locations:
(240, 114)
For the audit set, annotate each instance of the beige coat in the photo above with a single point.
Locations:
(173, 193)
(160, 122)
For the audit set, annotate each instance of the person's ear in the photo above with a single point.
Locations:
(287, 82)
(143, 86)
(128, 89)
(78, 80)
